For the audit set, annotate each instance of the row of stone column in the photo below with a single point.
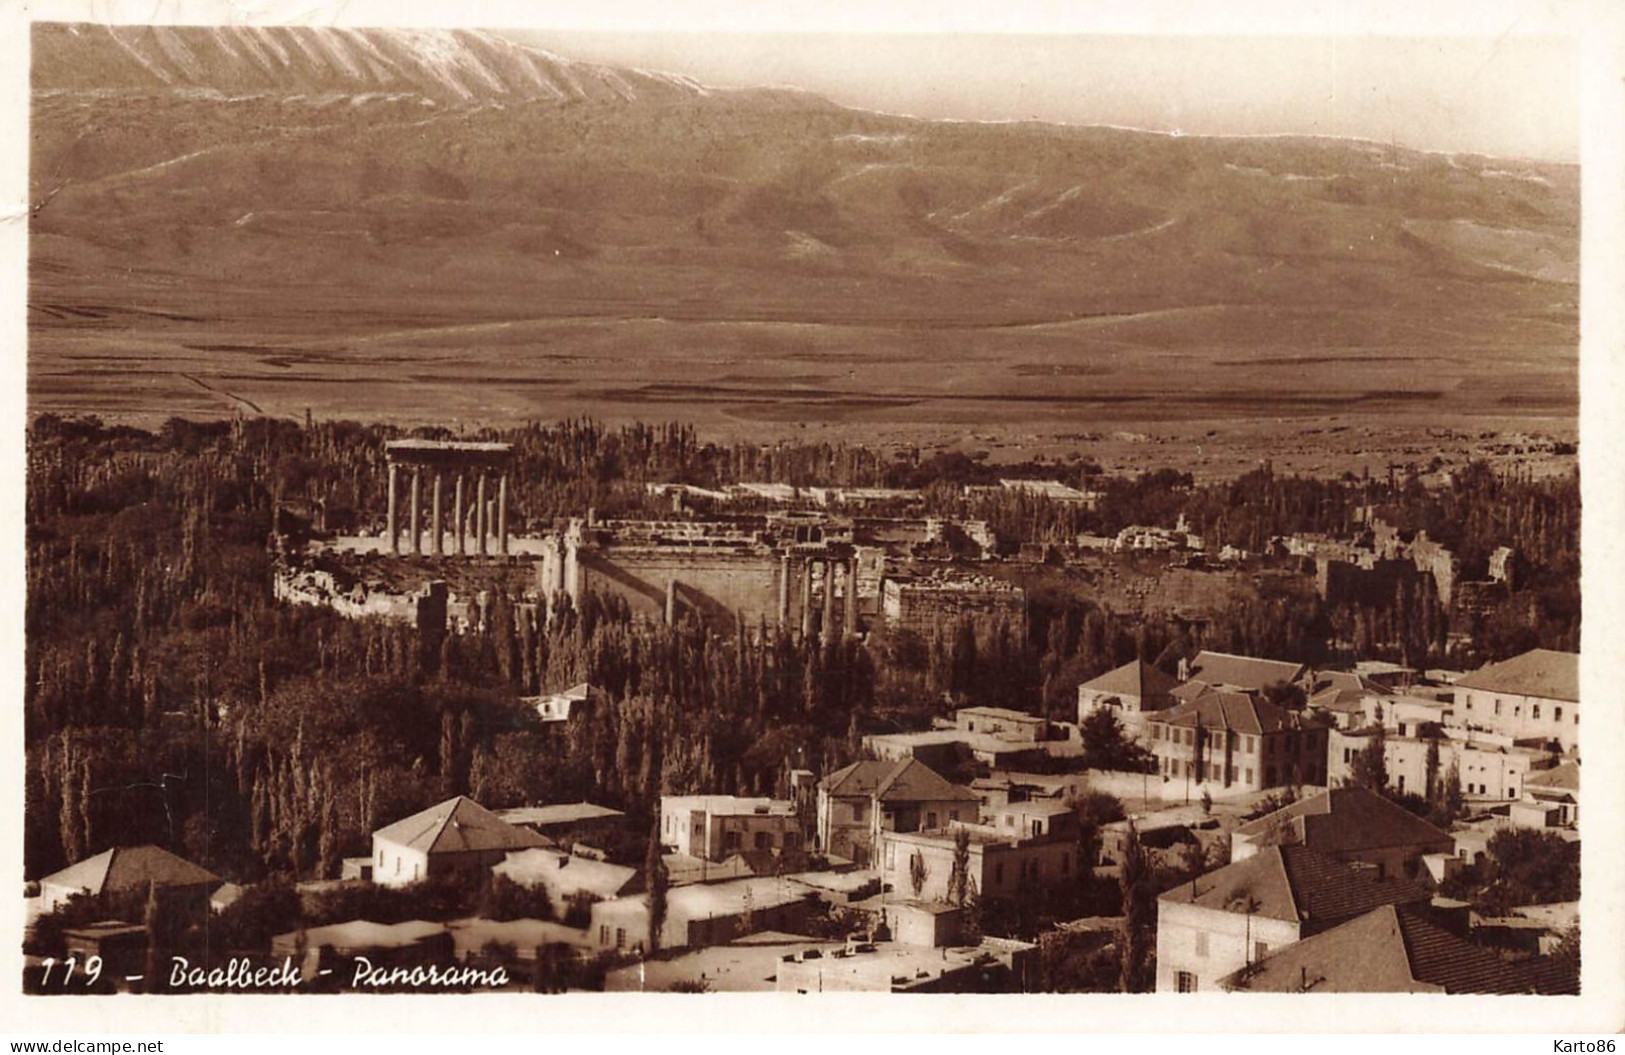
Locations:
(802, 622)
(483, 520)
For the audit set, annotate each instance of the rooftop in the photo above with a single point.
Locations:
(1242, 672)
(363, 934)
(1539, 672)
(458, 825)
(1217, 709)
(1344, 819)
(564, 875)
(1296, 884)
(1135, 678)
(557, 813)
(729, 805)
(131, 868)
(1393, 950)
(905, 780)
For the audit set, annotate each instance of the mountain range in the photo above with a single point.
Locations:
(256, 209)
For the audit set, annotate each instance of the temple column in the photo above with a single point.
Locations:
(412, 518)
(502, 514)
(439, 546)
(784, 593)
(394, 525)
(806, 598)
(459, 524)
(827, 631)
(850, 616)
(481, 524)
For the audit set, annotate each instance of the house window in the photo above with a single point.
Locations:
(1497, 708)
(1156, 732)
(1557, 714)
(397, 864)
(1249, 776)
(603, 934)
(1534, 710)
(415, 873)
(1250, 745)
(620, 937)
(730, 840)
(763, 840)
(857, 812)
(1402, 783)
(1185, 982)
(1348, 755)
(930, 820)
(1261, 949)
(1201, 943)
(953, 815)
(891, 855)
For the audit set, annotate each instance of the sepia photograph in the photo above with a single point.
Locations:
(566, 509)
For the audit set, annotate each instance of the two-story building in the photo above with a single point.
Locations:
(1021, 847)
(1222, 922)
(857, 803)
(1231, 741)
(715, 827)
(1489, 766)
(1535, 696)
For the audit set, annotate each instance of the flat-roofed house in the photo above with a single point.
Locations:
(564, 876)
(1535, 696)
(458, 835)
(1352, 824)
(1023, 846)
(1225, 920)
(715, 827)
(857, 803)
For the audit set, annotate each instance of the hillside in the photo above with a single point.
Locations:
(277, 213)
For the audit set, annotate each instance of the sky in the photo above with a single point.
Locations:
(1508, 95)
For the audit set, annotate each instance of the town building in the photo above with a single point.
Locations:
(568, 823)
(1228, 742)
(858, 802)
(1557, 787)
(561, 706)
(455, 836)
(1351, 824)
(703, 914)
(1395, 949)
(1535, 696)
(1025, 847)
(1004, 723)
(1129, 692)
(715, 827)
(1490, 767)
(128, 870)
(1228, 919)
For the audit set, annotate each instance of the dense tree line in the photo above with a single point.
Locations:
(170, 700)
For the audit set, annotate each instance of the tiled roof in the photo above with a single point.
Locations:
(905, 780)
(1296, 884)
(1346, 819)
(1343, 679)
(1217, 709)
(1538, 672)
(1335, 699)
(131, 868)
(1395, 950)
(1242, 672)
(1135, 678)
(458, 825)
